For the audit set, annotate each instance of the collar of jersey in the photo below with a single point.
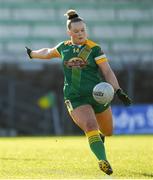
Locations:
(82, 44)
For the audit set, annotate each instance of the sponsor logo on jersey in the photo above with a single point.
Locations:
(76, 62)
(66, 50)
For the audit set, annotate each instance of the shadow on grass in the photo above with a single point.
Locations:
(147, 175)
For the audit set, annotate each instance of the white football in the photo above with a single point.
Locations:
(103, 93)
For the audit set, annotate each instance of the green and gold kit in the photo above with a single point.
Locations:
(81, 70)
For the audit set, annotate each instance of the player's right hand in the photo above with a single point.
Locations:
(29, 52)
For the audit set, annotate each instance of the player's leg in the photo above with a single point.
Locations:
(105, 122)
(84, 117)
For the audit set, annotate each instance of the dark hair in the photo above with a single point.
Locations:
(72, 17)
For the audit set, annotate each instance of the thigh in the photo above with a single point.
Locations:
(85, 118)
(105, 121)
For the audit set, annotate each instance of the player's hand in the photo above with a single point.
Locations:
(29, 52)
(123, 97)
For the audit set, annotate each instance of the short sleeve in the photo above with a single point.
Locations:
(99, 55)
(58, 47)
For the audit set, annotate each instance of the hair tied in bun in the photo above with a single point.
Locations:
(73, 16)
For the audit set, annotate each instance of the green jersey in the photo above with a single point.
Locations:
(80, 64)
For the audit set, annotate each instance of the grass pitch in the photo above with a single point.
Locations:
(71, 158)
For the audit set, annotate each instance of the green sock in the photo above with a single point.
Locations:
(96, 144)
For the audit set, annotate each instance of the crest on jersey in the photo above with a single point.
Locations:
(75, 62)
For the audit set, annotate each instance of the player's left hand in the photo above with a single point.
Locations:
(29, 52)
(123, 97)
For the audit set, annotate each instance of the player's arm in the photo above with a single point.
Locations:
(45, 53)
(111, 78)
(109, 75)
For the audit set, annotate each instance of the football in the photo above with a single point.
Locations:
(103, 93)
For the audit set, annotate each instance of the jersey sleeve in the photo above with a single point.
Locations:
(99, 55)
(58, 48)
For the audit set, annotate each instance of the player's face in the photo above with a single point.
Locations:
(78, 32)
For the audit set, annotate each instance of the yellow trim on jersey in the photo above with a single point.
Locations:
(90, 43)
(100, 57)
(69, 106)
(101, 60)
(55, 53)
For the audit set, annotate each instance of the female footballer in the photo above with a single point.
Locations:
(81, 59)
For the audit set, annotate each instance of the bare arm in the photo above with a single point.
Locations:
(45, 53)
(109, 75)
(111, 78)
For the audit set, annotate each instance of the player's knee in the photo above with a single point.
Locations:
(90, 126)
